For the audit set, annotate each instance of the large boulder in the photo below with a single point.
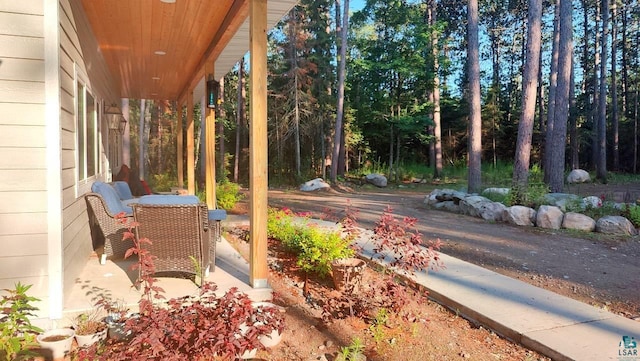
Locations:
(492, 211)
(579, 222)
(449, 206)
(443, 195)
(617, 225)
(549, 217)
(314, 185)
(472, 205)
(578, 176)
(519, 215)
(376, 179)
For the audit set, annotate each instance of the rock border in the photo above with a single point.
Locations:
(552, 215)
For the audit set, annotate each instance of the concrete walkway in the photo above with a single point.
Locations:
(543, 321)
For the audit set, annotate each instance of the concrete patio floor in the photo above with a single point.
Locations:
(114, 280)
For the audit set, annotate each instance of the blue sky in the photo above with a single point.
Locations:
(355, 5)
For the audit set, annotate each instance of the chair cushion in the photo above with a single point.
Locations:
(217, 215)
(111, 198)
(123, 190)
(168, 199)
(129, 202)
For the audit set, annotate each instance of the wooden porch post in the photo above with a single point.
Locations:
(258, 271)
(180, 147)
(210, 147)
(191, 172)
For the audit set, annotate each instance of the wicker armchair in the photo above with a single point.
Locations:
(106, 230)
(177, 233)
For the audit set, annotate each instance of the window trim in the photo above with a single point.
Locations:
(84, 185)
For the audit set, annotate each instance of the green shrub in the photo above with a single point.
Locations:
(17, 333)
(228, 194)
(314, 248)
(163, 182)
(496, 197)
(532, 197)
(632, 213)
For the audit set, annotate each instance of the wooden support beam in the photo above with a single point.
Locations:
(234, 19)
(180, 147)
(210, 147)
(191, 171)
(258, 183)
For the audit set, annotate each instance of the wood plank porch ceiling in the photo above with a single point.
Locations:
(189, 32)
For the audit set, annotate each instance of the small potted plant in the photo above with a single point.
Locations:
(116, 317)
(57, 341)
(347, 271)
(271, 314)
(90, 328)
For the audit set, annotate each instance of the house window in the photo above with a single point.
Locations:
(87, 133)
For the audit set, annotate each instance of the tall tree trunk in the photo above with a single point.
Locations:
(614, 86)
(529, 88)
(323, 149)
(596, 86)
(586, 66)
(337, 142)
(239, 119)
(625, 60)
(390, 171)
(561, 113)
(437, 127)
(573, 124)
(601, 173)
(553, 83)
(222, 115)
(542, 124)
(635, 106)
(635, 130)
(126, 137)
(475, 120)
(296, 96)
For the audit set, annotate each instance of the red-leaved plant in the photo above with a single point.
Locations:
(400, 244)
(201, 327)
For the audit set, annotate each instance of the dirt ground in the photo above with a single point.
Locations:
(422, 330)
(593, 268)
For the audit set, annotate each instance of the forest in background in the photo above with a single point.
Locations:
(404, 97)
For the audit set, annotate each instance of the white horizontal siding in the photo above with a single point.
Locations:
(20, 136)
(23, 202)
(23, 190)
(21, 92)
(22, 114)
(20, 158)
(39, 287)
(17, 245)
(23, 223)
(30, 7)
(22, 69)
(21, 24)
(27, 180)
(20, 47)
